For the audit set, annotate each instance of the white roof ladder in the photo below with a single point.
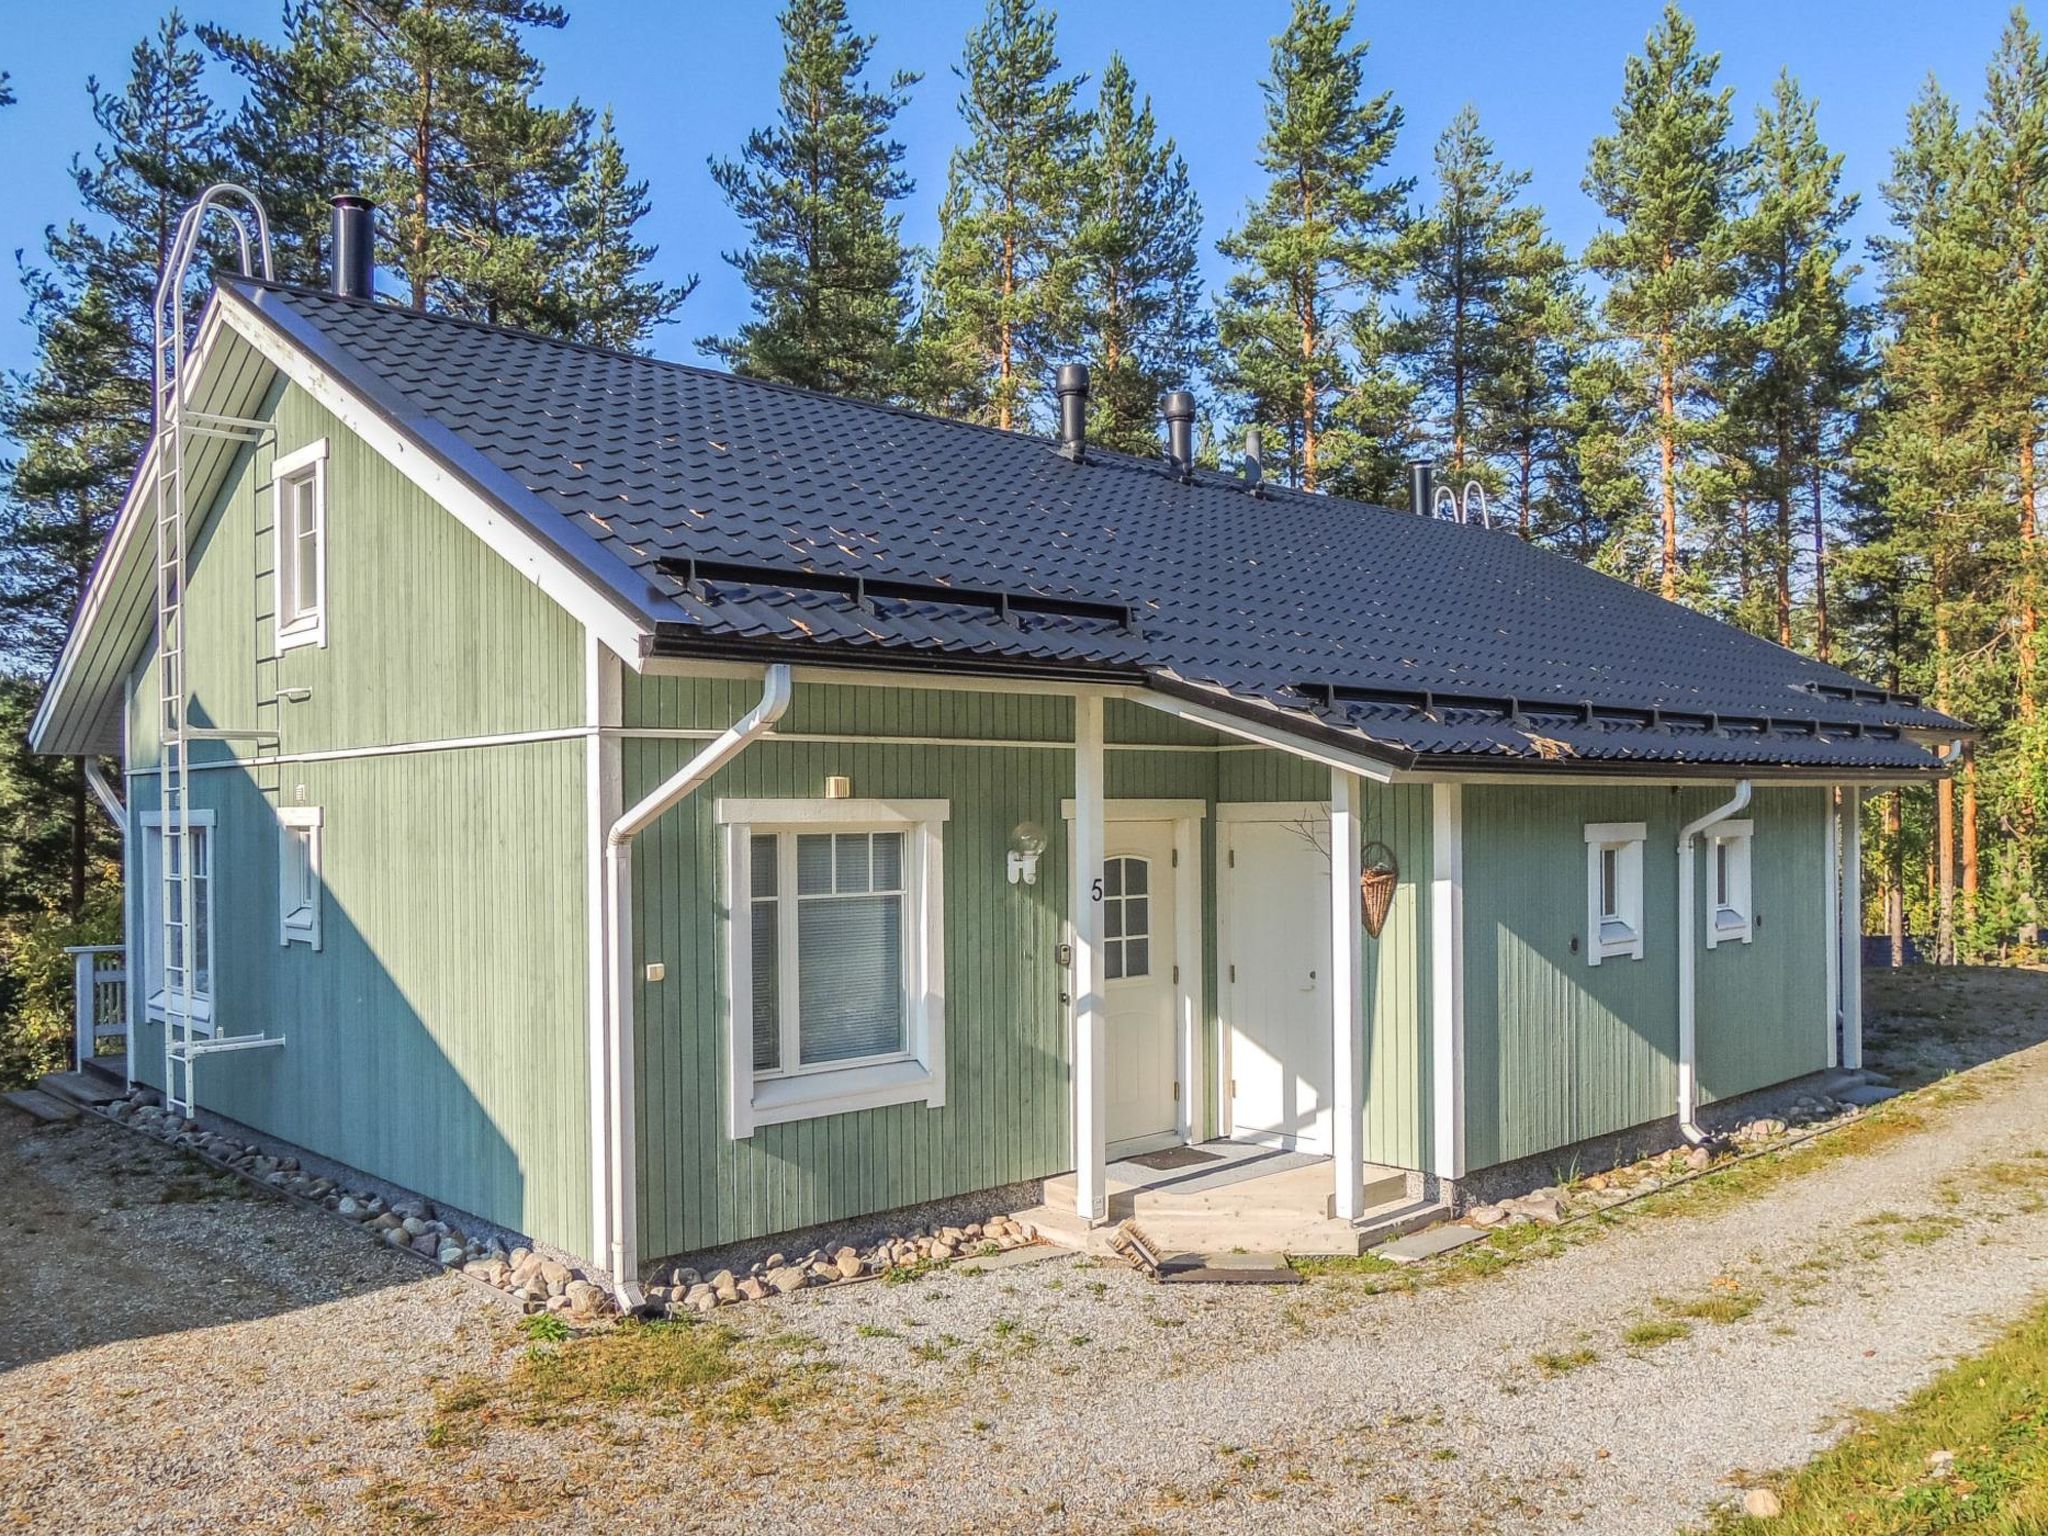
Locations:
(177, 902)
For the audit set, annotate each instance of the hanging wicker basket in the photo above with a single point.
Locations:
(1379, 874)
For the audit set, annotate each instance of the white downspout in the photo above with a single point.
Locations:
(1688, 1044)
(618, 873)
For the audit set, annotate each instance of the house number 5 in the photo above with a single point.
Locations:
(1095, 889)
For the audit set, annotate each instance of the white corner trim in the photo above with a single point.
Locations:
(1850, 838)
(301, 925)
(1447, 977)
(543, 565)
(762, 813)
(1347, 1002)
(602, 803)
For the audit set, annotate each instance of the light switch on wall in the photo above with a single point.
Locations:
(656, 971)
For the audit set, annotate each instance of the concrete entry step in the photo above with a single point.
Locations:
(87, 1088)
(38, 1105)
(1417, 1246)
(1863, 1095)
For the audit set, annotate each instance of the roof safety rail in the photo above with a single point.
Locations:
(699, 575)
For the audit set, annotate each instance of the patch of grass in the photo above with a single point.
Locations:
(873, 1331)
(1728, 1305)
(1989, 1412)
(669, 1369)
(1344, 1264)
(1563, 1362)
(544, 1328)
(1654, 1331)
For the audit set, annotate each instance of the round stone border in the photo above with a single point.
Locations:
(538, 1283)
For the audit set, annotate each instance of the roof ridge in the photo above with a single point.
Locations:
(1220, 480)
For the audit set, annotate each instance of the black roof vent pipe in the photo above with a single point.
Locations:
(1254, 460)
(1180, 434)
(1073, 388)
(1421, 486)
(355, 247)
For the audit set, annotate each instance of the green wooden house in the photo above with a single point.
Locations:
(649, 808)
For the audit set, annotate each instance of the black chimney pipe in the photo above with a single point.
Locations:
(355, 252)
(1073, 388)
(1180, 434)
(1421, 487)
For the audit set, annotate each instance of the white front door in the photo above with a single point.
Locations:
(1276, 966)
(1138, 962)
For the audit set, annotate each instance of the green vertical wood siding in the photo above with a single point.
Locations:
(439, 1036)
(1558, 1050)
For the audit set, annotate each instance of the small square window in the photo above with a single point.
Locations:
(300, 518)
(1614, 890)
(298, 875)
(1730, 918)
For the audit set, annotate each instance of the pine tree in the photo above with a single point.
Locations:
(1925, 457)
(2008, 201)
(1139, 283)
(601, 293)
(1799, 356)
(826, 262)
(999, 297)
(1325, 232)
(1666, 178)
(298, 137)
(472, 174)
(1542, 331)
(81, 415)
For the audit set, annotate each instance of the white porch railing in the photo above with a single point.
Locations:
(100, 998)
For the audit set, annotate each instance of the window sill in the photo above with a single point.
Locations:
(202, 1014)
(1728, 927)
(311, 631)
(812, 1095)
(1620, 944)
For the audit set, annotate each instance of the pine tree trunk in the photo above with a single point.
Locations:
(1781, 554)
(1745, 565)
(1528, 476)
(1667, 454)
(1004, 338)
(1895, 873)
(423, 181)
(1969, 842)
(2027, 620)
(1945, 872)
(1823, 641)
(78, 839)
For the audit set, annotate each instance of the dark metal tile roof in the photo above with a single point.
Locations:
(1419, 636)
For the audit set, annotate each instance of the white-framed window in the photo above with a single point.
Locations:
(836, 959)
(1730, 917)
(299, 482)
(154, 891)
(1614, 890)
(298, 875)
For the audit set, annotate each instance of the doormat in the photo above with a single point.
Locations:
(1174, 1157)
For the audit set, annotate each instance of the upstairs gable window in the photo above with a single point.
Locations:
(299, 482)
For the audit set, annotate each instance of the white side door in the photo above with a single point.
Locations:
(1138, 959)
(1276, 967)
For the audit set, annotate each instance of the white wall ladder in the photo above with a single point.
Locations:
(176, 423)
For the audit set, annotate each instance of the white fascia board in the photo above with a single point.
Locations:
(542, 564)
(134, 517)
(1274, 736)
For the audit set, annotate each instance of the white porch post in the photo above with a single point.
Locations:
(1851, 837)
(1091, 1045)
(1347, 1134)
(1447, 976)
(1831, 905)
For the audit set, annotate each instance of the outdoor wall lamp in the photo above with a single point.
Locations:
(1027, 842)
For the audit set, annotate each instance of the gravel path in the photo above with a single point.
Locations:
(1060, 1395)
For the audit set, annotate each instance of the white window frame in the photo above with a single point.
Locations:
(1620, 932)
(307, 626)
(154, 960)
(1732, 921)
(918, 1073)
(299, 922)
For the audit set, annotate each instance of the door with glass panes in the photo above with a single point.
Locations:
(1138, 984)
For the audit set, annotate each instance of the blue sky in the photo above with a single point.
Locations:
(688, 79)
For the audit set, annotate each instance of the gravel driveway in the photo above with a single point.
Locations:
(222, 1362)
